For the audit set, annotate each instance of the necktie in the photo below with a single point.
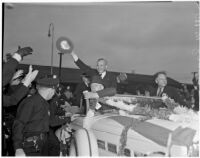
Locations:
(159, 92)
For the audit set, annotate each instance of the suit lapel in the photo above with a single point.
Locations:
(164, 91)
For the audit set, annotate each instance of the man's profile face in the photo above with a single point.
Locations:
(101, 66)
(68, 94)
(51, 92)
(85, 80)
(161, 80)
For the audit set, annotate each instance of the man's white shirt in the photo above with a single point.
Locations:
(103, 74)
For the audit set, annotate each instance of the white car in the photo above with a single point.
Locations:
(111, 134)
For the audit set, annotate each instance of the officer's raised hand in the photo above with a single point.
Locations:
(24, 51)
(30, 76)
(20, 152)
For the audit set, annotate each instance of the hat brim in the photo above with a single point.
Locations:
(48, 86)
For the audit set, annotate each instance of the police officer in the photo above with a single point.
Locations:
(32, 121)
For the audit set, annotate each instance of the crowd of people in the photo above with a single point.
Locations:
(41, 106)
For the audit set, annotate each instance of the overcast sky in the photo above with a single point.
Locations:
(144, 37)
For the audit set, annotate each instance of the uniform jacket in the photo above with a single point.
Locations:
(16, 96)
(9, 69)
(32, 117)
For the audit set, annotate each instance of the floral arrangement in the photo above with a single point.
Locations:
(161, 113)
(161, 108)
(170, 103)
(133, 100)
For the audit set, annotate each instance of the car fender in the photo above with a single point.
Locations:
(84, 143)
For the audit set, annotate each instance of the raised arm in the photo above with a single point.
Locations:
(84, 67)
(10, 66)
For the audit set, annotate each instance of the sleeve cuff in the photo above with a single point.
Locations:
(17, 57)
(75, 57)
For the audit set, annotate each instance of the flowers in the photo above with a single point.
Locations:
(161, 108)
(161, 113)
(185, 116)
(121, 105)
(170, 103)
(137, 105)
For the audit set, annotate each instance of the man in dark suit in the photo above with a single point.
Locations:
(83, 86)
(108, 79)
(162, 88)
(97, 85)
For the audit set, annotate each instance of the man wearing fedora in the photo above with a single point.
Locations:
(31, 125)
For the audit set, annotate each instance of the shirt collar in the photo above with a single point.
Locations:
(86, 84)
(103, 74)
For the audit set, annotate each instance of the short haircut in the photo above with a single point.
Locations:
(158, 73)
(106, 62)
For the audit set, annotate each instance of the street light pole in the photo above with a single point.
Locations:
(60, 64)
(51, 34)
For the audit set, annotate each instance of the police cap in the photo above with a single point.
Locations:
(48, 81)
